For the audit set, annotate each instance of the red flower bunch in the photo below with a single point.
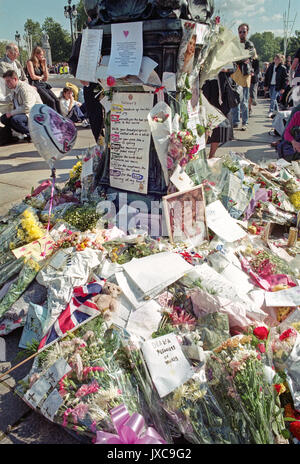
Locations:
(261, 333)
(295, 429)
(180, 317)
(287, 333)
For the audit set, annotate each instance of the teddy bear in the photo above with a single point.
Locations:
(107, 300)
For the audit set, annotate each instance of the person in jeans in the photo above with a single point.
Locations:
(23, 97)
(242, 76)
(276, 82)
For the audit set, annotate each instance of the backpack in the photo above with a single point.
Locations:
(5, 136)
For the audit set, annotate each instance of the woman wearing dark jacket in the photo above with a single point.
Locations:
(275, 81)
(216, 92)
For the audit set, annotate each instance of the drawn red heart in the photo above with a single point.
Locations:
(126, 33)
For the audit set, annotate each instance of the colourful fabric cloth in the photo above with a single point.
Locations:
(295, 121)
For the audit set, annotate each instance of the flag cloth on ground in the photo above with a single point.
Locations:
(78, 310)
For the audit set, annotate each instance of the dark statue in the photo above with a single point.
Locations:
(109, 11)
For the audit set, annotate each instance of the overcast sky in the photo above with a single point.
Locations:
(261, 15)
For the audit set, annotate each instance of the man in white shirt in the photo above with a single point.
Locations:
(10, 62)
(24, 97)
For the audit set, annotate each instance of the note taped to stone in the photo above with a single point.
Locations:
(130, 141)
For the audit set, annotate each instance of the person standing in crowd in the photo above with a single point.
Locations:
(10, 62)
(216, 91)
(295, 68)
(242, 76)
(38, 76)
(275, 82)
(254, 83)
(288, 64)
(24, 97)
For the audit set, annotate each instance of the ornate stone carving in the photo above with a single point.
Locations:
(116, 10)
(110, 11)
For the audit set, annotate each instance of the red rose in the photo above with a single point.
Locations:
(277, 387)
(111, 81)
(261, 333)
(286, 334)
(295, 429)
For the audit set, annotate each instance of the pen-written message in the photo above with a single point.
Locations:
(167, 364)
(130, 141)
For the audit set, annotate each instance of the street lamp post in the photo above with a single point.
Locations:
(70, 12)
(17, 39)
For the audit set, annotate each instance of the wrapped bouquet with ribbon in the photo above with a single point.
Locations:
(131, 429)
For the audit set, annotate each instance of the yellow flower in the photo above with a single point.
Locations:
(295, 199)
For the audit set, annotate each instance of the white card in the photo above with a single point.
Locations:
(146, 68)
(167, 364)
(222, 224)
(169, 81)
(51, 405)
(201, 31)
(288, 297)
(87, 167)
(90, 53)
(181, 180)
(126, 49)
(106, 103)
(145, 320)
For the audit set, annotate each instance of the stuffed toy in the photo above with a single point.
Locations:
(107, 300)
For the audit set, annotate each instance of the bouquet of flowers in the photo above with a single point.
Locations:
(236, 374)
(28, 272)
(182, 148)
(81, 376)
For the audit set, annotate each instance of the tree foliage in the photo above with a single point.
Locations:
(81, 16)
(34, 30)
(59, 39)
(267, 45)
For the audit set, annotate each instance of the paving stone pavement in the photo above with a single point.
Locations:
(20, 169)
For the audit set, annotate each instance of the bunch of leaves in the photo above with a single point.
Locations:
(82, 217)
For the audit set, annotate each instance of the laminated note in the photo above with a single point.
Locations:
(126, 49)
(167, 364)
(57, 371)
(36, 393)
(130, 141)
(51, 405)
(90, 55)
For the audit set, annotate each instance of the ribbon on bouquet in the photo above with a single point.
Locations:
(50, 206)
(130, 430)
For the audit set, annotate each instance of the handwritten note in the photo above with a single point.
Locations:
(167, 364)
(130, 141)
(126, 49)
(90, 54)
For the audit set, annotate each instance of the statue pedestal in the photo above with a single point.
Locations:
(161, 40)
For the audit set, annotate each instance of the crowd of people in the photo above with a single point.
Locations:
(25, 87)
(234, 92)
(275, 80)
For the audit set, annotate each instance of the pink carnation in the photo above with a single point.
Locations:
(87, 389)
